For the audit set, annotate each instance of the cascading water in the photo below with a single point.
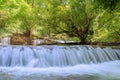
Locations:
(57, 60)
(51, 56)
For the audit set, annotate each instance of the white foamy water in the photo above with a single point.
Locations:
(59, 63)
(55, 56)
(110, 70)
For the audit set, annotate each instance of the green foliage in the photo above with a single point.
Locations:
(83, 20)
(108, 4)
(108, 27)
(75, 19)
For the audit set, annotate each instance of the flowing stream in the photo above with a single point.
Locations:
(59, 63)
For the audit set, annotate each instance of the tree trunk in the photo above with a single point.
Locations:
(28, 34)
(83, 40)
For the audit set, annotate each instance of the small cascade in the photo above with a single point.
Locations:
(53, 56)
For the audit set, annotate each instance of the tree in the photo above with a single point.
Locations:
(108, 28)
(81, 19)
(75, 19)
(24, 17)
(108, 21)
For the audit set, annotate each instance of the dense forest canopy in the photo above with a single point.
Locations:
(77, 20)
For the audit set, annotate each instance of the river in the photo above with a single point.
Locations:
(102, 71)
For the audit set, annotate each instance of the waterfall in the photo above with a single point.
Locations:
(53, 56)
